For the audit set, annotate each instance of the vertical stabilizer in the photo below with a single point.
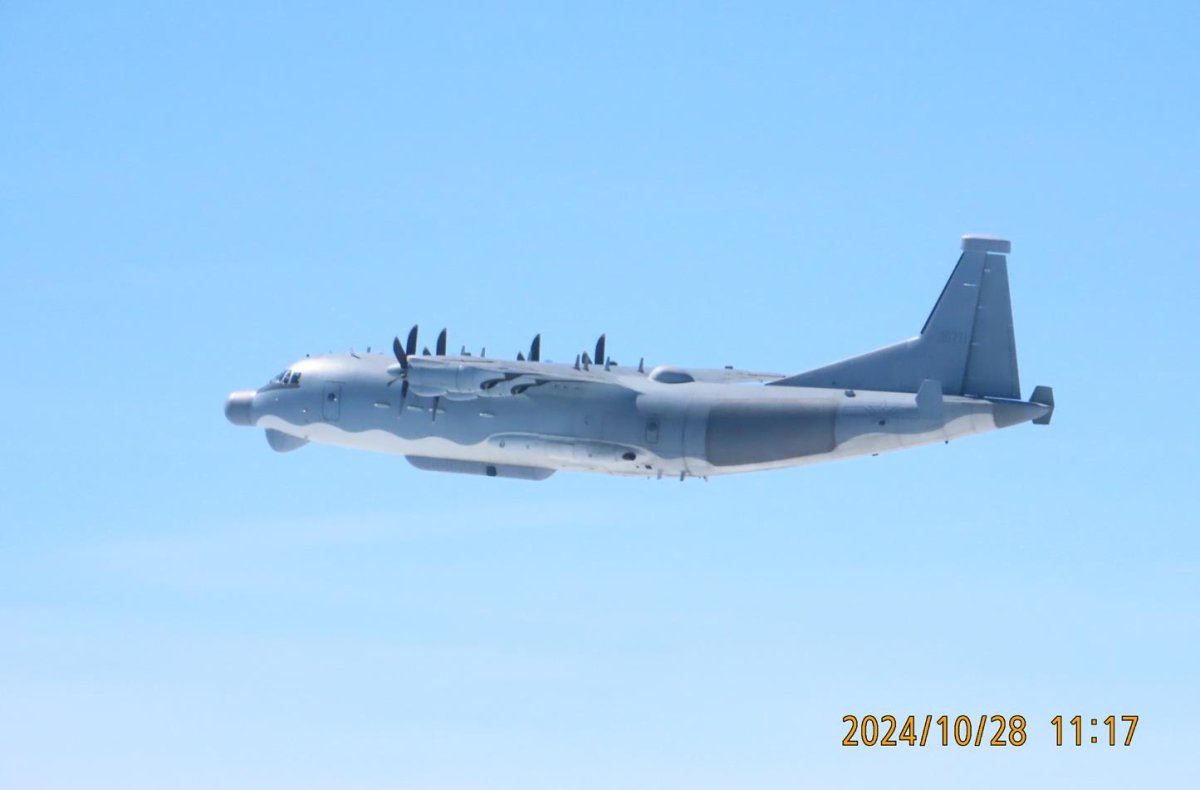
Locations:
(966, 344)
(992, 358)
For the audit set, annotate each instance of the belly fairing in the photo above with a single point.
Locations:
(740, 433)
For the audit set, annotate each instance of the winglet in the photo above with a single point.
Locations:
(1044, 396)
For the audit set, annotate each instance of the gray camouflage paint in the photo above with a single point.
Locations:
(668, 422)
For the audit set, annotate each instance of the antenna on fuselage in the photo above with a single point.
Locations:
(535, 348)
(441, 343)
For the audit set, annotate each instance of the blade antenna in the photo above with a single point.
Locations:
(411, 347)
(441, 343)
(535, 349)
(600, 358)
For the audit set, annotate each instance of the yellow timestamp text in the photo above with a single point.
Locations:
(983, 730)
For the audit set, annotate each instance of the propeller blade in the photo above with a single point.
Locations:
(404, 390)
(535, 349)
(441, 343)
(411, 348)
(401, 357)
(599, 358)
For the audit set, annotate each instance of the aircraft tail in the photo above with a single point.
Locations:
(966, 344)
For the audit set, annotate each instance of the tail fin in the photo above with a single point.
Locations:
(966, 344)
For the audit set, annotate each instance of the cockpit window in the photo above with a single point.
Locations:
(288, 378)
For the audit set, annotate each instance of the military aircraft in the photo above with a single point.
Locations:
(528, 418)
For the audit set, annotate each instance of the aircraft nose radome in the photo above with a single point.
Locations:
(238, 407)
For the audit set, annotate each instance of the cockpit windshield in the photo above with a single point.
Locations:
(288, 378)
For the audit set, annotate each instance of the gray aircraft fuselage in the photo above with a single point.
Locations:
(528, 418)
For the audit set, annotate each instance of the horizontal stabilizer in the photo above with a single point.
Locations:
(1044, 396)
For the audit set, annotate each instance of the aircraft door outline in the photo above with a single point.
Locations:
(331, 401)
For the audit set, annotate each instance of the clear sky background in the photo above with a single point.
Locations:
(191, 199)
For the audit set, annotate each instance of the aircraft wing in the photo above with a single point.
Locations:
(596, 374)
(465, 377)
(729, 375)
(519, 377)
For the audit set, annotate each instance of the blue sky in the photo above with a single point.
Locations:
(193, 198)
